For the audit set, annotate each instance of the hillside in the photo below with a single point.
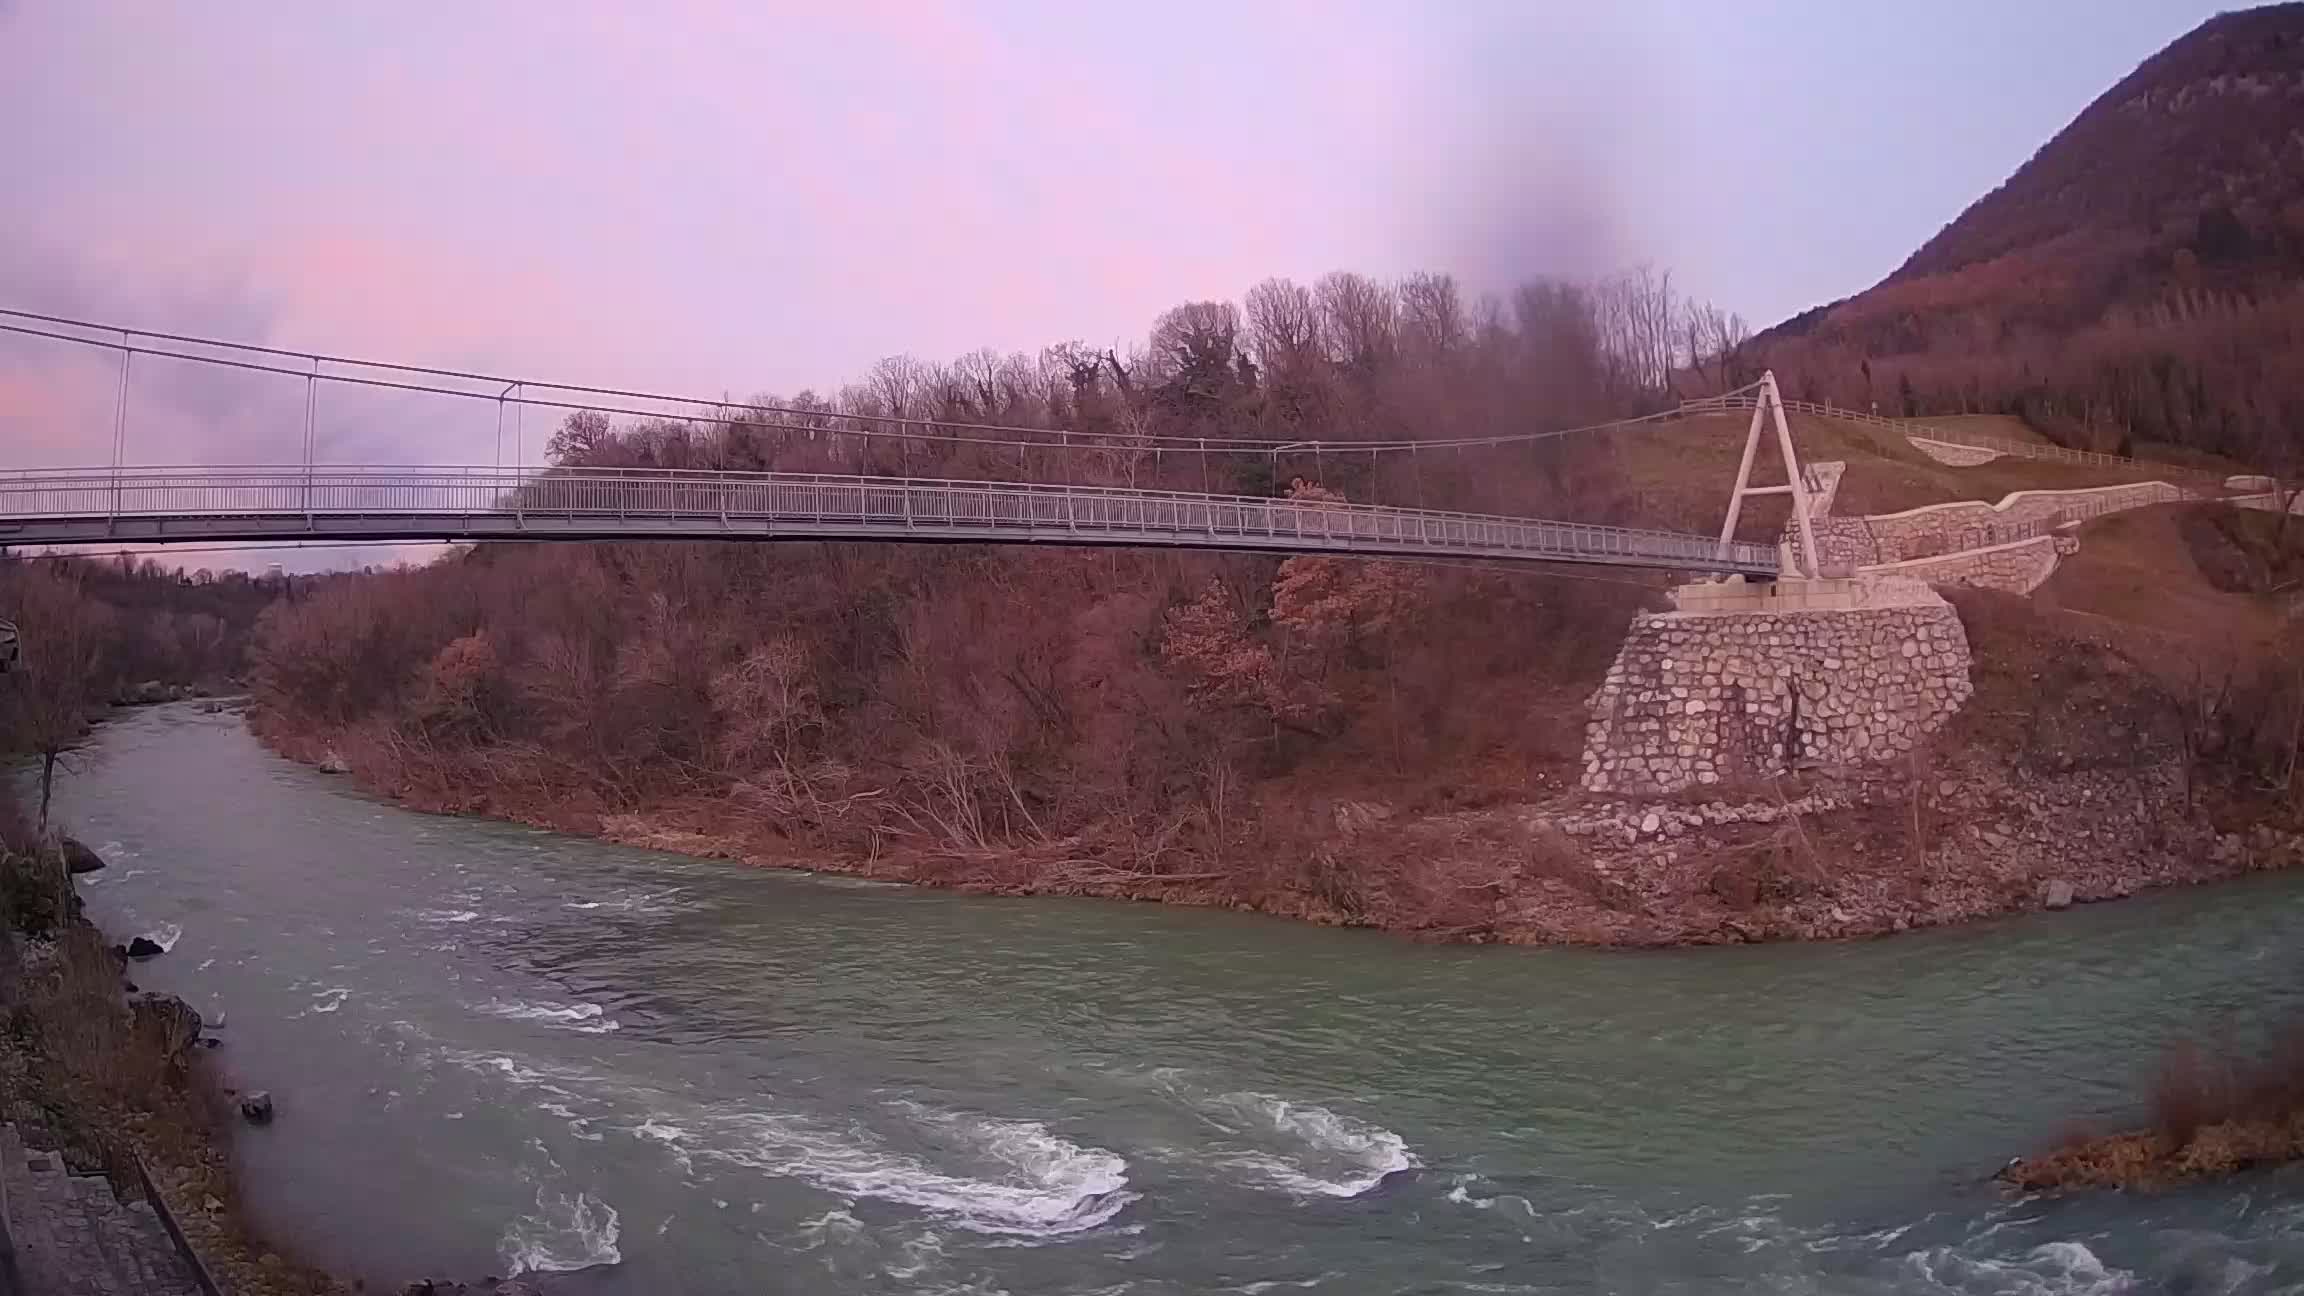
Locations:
(2138, 279)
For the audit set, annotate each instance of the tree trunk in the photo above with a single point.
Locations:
(47, 786)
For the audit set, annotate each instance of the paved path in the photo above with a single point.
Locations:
(74, 1238)
(156, 505)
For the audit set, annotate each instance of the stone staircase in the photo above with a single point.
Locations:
(74, 1238)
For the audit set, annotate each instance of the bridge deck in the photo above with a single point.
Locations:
(148, 505)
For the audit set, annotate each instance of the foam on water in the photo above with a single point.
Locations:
(167, 934)
(563, 1234)
(589, 1018)
(1023, 1180)
(2051, 1269)
(1512, 1204)
(1039, 1184)
(833, 1226)
(1310, 1150)
(639, 904)
(672, 1137)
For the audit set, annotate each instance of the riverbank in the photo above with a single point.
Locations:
(103, 1073)
(105, 1077)
(1965, 835)
(2091, 763)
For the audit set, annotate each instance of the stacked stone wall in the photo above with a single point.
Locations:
(1696, 699)
(1972, 524)
(1845, 541)
(2017, 568)
(1841, 542)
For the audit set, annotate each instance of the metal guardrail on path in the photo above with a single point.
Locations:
(145, 505)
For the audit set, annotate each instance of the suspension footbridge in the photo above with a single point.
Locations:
(121, 502)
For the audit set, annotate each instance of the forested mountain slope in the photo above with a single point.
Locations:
(2141, 278)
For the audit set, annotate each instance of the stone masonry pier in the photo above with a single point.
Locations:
(1743, 682)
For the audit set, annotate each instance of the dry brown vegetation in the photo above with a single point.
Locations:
(1118, 722)
(1307, 736)
(92, 630)
(1017, 721)
(2216, 1109)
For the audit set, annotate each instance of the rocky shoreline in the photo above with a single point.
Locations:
(115, 1077)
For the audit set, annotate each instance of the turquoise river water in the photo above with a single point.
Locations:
(498, 1048)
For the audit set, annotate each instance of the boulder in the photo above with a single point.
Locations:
(168, 1020)
(333, 763)
(2056, 894)
(256, 1106)
(144, 947)
(78, 858)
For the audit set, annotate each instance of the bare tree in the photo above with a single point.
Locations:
(1196, 338)
(46, 697)
(1283, 328)
(1639, 330)
(580, 437)
(1359, 321)
(1714, 342)
(1432, 318)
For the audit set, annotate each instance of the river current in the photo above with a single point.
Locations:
(496, 1048)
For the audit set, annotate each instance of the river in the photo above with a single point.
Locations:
(493, 1046)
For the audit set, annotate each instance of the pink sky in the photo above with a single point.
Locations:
(746, 197)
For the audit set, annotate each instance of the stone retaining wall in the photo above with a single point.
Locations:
(1697, 698)
(1938, 529)
(2017, 568)
(1946, 452)
(1845, 542)
(1972, 524)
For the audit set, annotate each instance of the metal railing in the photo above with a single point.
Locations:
(1948, 436)
(193, 1264)
(83, 505)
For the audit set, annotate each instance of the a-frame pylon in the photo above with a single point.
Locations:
(1768, 405)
